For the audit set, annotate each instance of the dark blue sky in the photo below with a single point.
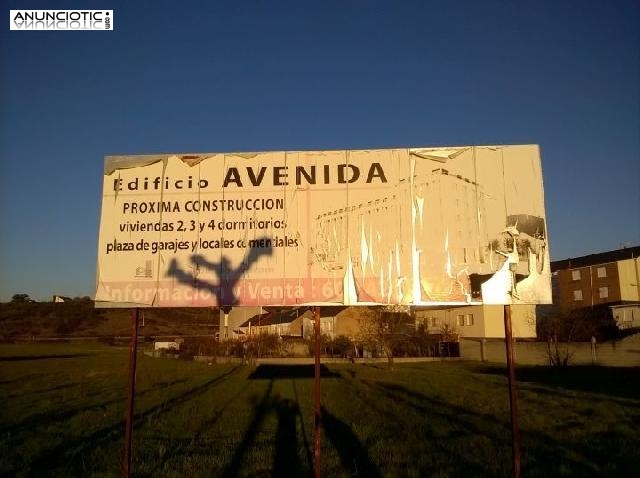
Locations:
(246, 76)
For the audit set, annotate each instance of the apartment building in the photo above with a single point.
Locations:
(478, 321)
(608, 279)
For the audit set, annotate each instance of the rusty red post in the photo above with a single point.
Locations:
(131, 391)
(513, 399)
(316, 431)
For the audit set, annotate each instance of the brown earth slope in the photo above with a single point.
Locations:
(79, 318)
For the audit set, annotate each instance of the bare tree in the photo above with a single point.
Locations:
(382, 328)
(561, 331)
(448, 331)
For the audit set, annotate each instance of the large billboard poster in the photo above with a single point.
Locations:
(415, 226)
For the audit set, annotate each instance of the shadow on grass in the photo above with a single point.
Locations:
(22, 379)
(621, 382)
(542, 450)
(353, 455)
(286, 461)
(68, 455)
(187, 448)
(431, 439)
(305, 442)
(273, 372)
(21, 358)
(445, 424)
(68, 450)
(261, 408)
(47, 418)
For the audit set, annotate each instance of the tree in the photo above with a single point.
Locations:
(560, 331)
(310, 341)
(448, 331)
(383, 328)
(21, 298)
(426, 344)
(195, 346)
(341, 346)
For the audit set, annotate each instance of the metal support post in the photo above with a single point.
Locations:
(316, 432)
(513, 401)
(131, 391)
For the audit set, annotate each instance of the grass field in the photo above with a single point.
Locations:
(62, 410)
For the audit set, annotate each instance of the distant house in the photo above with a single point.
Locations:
(61, 298)
(478, 321)
(483, 321)
(608, 280)
(298, 322)
(171, 345)
(232, 319)
(626, 316)
(284, 322)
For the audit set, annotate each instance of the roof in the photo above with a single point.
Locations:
(275, 317)
(595, 259)
(625, 304)
(278, 315)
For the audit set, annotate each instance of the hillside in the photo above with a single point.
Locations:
(79, 318)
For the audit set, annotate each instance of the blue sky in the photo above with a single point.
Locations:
(246, 76)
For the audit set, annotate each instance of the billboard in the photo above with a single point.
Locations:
(414, 226)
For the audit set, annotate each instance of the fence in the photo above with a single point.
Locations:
(617, 353)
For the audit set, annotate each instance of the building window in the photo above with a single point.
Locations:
(430, 322)
(326, 326)
(603, 292)
(468, 319)
(460, 320)
(601, 272)
(577, 295)
(575, 275)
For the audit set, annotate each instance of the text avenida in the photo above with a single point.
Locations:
(257, 176)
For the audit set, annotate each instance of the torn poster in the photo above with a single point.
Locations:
(414, 226)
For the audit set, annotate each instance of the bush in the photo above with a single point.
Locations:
(324, 341)
(341, 346)
(578, 325)
(193, 346)
(265, 345)
(107, 340)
